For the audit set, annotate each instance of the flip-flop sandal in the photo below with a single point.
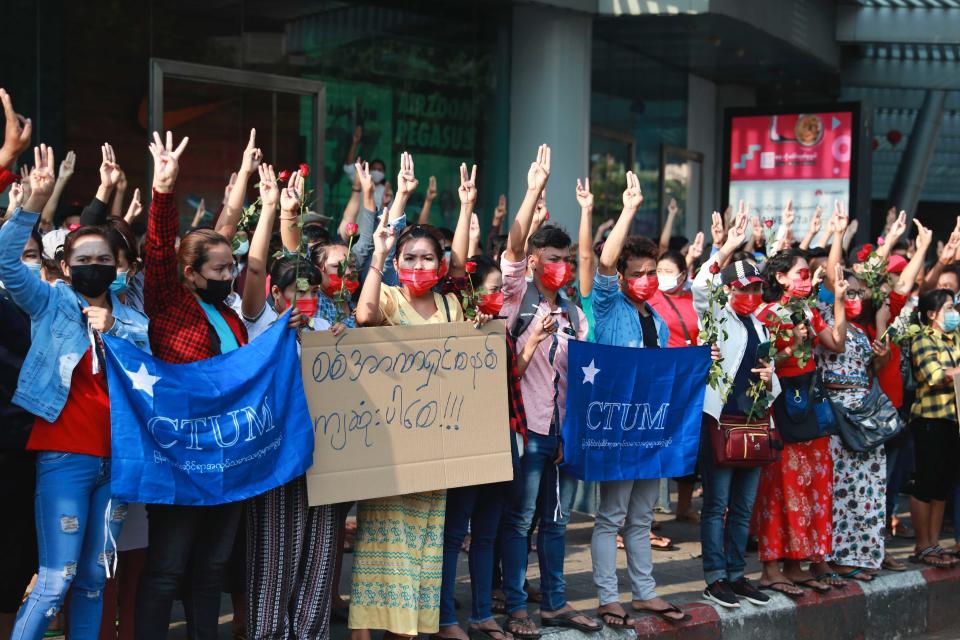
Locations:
(930, 558)
(808, 584)
(667, 547)
(498, 605)
(662, 613)
(566, 620)
(626, 622)
(773, 587)
(518, 624)
(488, 634)
(852, 575)
(949, 556)
(892, 564)
(823, 577)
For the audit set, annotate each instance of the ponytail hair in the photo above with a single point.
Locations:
(781, 262)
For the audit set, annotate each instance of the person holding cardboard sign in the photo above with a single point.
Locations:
(544, 387)
(377, 578)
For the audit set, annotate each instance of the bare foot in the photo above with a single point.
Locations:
(579, 619)
(453, 632)
(659, 606)
(797, 574)
(614, 615)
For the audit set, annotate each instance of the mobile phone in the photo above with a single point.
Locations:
(763, 351)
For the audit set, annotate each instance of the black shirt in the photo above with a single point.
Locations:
(649, 329)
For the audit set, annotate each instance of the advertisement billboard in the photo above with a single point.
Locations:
(805, 155)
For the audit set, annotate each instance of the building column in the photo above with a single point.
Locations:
(912, 170)
(550, 103)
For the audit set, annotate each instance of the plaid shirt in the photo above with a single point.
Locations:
(179, 329)
(931, 357)
(518, 416)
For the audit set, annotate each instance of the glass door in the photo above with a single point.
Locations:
(681, 178)
(216, 107)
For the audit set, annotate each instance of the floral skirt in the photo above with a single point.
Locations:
(794, 508)
(397, 564)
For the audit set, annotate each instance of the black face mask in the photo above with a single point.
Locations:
(216, 291)
(92, 280)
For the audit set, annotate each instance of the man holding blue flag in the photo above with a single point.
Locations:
(626, 279)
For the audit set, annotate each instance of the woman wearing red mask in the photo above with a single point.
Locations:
(792, 514)
(729, 493)
(418, 255)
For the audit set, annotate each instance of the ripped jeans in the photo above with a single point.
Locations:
(73, 493)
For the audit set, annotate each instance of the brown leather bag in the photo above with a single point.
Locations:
(741, 444)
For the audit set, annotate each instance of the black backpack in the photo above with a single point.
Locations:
(528, 311)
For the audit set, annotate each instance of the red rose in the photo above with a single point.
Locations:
(714, 268)
(471, 267)
(768, 224)
(546, 218)
(352, 228)
(284, 176)
(304, 169)
(868, 248)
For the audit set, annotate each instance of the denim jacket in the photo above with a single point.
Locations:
(58, 326)
(618, 322)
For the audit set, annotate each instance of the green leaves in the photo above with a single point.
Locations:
(712, 328)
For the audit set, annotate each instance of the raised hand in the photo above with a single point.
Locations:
(541, 214)
(818, 275)
(166, 161)
(897, 228)
(16, 132)
(67, 166)
(924, 236)
(816, 221)
(672, 208)
(290, 195)
(788, 215)
(387, 194)
(695, 250)
(227, 189)
(539, 171)
(269, 193)
(606, 225)
(949, 253)
(357, 134)
(716, 229)
(110, 172)
(363, 176)
(839, 221)
(584, 197)
(135, 208)
(406, 180)
(252, 156)
(14, 198)
(383, 238)
(468, 186)
(25, 181)
(737, 233)
(501, 211)
(474, 236)
(432, 187)
(840, 284)
(632, 196)
(41, 178)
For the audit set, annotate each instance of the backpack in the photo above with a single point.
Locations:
(528, 311)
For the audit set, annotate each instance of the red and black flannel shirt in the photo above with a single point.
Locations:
(179, 329)
(518, 416)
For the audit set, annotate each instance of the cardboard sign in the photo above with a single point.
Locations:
(400, 410)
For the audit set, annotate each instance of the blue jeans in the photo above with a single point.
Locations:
(723, 533)
(73, 494)
(479, 507)
(538, 477)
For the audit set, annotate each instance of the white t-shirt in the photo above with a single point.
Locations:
(256, 326)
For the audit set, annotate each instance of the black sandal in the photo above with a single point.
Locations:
(832, 575)
(566, 620)
(476, 633)
(773, 587)
(930, 558)
(514, 627)
(498, 605)
(626, 621)
(662, 613)
(808, 584)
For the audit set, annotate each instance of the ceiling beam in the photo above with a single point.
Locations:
(901, 74)
(862, 25)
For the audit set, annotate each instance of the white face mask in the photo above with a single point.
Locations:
(377, 176)
(668, 282)
(242, 248)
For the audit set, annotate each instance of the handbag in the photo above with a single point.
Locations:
(802, 410)
(871, 424)
(739, 443)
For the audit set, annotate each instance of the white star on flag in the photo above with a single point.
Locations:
(142, 380)
(590, 372)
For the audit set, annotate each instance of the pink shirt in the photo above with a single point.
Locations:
(544, 383)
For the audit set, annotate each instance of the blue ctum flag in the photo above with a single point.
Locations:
(633, 414)
(208, 432)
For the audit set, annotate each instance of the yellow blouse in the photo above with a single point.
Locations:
(396, 310)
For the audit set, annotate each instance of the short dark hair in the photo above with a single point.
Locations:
(484, 267)
(676, 258)
(636, 247)
(817, 252)
(83, 232)
(416, 232)
(549, 235)
(932, 302)
(284, 272)
(780, 262)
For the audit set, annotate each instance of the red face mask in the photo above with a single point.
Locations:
(418, 281)
(305, 306)
(642, 289)
(853, 307)
(491, 303)
(745, 303)
(802, 285)
(336, 282)
(556, 274)
(444, 267)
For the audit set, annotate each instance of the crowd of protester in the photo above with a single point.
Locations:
(813, 346)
